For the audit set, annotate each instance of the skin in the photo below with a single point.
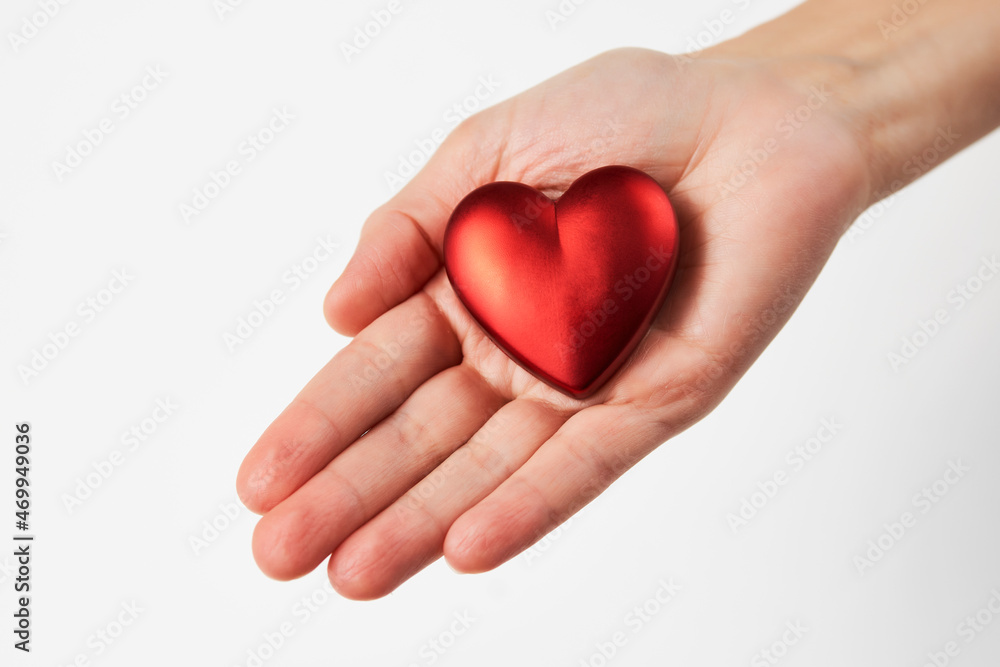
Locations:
(421, 439)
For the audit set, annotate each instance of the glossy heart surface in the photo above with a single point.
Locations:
(565, 288)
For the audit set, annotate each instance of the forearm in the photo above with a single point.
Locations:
(918, 86)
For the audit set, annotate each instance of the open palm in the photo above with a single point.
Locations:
(421, 438)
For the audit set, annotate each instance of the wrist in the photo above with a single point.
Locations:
(911, 91)
(848, 88)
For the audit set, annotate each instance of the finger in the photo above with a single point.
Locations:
(409, 535)
(575, 465)
(295, 537)
(394, 258)
(362, 384)
(400, 245)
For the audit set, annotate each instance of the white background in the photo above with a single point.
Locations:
(162, 338)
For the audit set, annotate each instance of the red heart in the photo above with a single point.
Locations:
(567, 289)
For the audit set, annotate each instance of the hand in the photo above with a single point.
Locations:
(422, 438)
